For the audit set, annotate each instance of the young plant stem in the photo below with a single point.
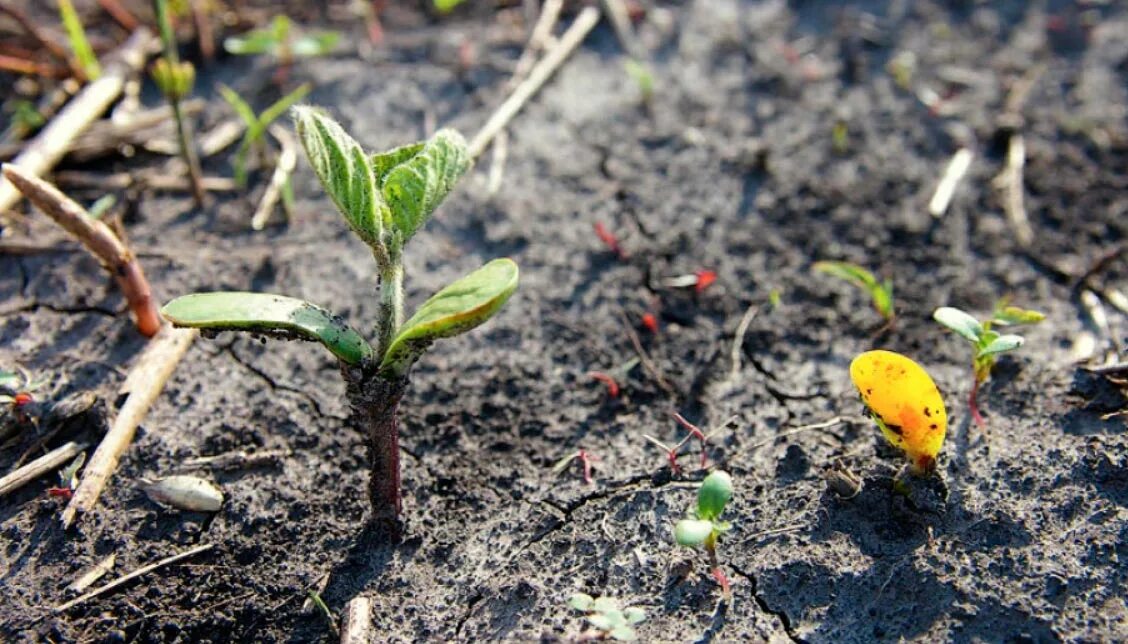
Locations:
(715, 568)
(390, 315)
(374, 402)
(184, 135)
(183, 132)
(973, 404)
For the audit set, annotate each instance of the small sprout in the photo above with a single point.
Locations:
(705, 527)
(323, 608)
(840, 137)
(672, 453)
(607, 380)
(174, 79)
(905, 403)
(582, 457)
(607, 618)
(642, 76)
(68, 478)
(775, 298)
(987, 342)
(16, 389)
(283, 42)
(186, 493)
(880, 292)
(446, 6)
(257, 124)
(609, 240)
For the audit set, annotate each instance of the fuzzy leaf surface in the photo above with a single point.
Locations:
(344, 170)
(270, 314)
(418, 184)
(960, 322)
(461, 306)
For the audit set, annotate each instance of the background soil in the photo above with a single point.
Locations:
(732, 168)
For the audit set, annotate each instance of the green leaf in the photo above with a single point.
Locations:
(459, 307)
(623, 634)
(1013, 315)
(881, 293)
(581, 602)
(241, 107)
(601, 621)
(10, 380)
(960, 322)
(279, 107)
(692, 532)
(605, 605)
(1001, 344)
(416, 186)
(315, 44)
(446, 6)
(344, 171)
(714, 494)
(634, 615)
(563, 463)
(269, 314)
(384, 162)
(78, 42)
(254, 42)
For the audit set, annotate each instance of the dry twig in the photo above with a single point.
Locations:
(52, 142)
(356, 623)
(98, 238)
(49, 462)
(955, 171)
(287, 161)
(571, 39)
(143, 384)
(1010, 182)
(124, 579)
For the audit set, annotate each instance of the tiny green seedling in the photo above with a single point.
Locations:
(283, 42)
(642, 77)
(68, 478)
(254, 137)
(16, 389)
(987, 342)
(175, 79)
(385, 198)
(706, 526)
(581, 456)
(880, 292)
(607, 618)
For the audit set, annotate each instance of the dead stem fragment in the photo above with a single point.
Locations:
(144, 570)
(144, 382)
(45, 464)
(98, 238)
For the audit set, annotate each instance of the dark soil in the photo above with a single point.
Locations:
(731, 167)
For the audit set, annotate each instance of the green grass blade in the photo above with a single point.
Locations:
(78, 42)
(274, 315)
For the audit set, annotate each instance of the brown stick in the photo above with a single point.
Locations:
(143, 384)
(120, 14)
(47, 43)
(204, 33)
(581, 27)
(99, 239)
(18, 65)
(49, 462)
(144, 570)
(45, 150)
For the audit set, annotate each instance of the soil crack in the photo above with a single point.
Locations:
(781, 615)
(276, 386)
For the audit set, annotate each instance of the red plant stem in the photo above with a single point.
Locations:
(694, 432)
(973, 404)
(585, 460)
(718, 573)
(704, 279)
(609, 239)
(98, 238)
(650, 322)
(119, 14)
(612, 386)
(375, 401)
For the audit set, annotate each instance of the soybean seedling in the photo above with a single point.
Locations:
(175, 80)
(385, 198)
(283, 42)
(254, 138)
(605, 616)
(16, 389)
(987, 342)
(880, 292)
(905, 403)
(705, 526)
